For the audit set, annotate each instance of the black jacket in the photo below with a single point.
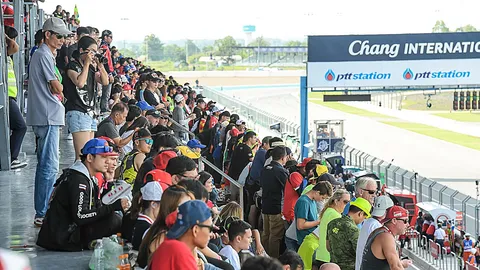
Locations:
(272, 181)
(74, 203)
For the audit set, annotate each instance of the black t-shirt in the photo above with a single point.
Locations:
(240, 158)
(149, 97)
(141, 225)
(127, 226)
(83, 99)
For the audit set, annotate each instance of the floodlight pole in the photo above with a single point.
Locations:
(304, 116)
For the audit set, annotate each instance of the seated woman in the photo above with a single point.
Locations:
(150, 207)
(142, 141)
(172, 197)
(233, 211)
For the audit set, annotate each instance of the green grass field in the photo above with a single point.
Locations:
(460, 116)
(441, 134)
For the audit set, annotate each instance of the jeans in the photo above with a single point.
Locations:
(291, 244)
(17, 126)
(105, 96)
(47, 166)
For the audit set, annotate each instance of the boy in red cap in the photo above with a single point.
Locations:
(380, 251)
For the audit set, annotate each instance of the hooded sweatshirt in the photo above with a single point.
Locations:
(74, 203)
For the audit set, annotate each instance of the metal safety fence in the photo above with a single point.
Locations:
(433, 254)
(427, 190)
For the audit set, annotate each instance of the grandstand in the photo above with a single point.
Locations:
(274, 56)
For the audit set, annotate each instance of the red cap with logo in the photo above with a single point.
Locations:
(397, 212)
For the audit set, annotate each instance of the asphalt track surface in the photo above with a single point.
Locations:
(430, 157)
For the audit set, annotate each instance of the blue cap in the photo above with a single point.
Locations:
(195, 144)
(189, 214)
(98, 147)
(144, 106)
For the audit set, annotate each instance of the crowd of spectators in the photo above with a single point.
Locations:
(137, 126)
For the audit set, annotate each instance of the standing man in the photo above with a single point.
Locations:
(365, 187)
(380, 252)
(107, 39)
(180, 117)
(382, 203)
(272, 181)
(342, 234)
(17, 124)
(46, 112)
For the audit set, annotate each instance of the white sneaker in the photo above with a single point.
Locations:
(38, 222)
(17, 164)
(69, 136)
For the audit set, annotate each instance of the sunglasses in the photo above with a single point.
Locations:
(210, 227)
(371, 192)
(405, 221)
(147, 140)
(59, 36)
(346, 201)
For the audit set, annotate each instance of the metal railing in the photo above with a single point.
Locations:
(426, 189)
(429, 251)
(202, 162)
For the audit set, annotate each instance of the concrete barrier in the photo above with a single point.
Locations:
(240, 73)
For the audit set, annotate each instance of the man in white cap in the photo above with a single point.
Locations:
(181, 118)
(46, 112)
(380, 206)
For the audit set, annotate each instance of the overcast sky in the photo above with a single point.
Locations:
(212, 19)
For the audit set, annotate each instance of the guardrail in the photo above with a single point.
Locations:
(426, 189)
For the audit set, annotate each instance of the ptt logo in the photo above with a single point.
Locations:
(330, 76)
(408, 74)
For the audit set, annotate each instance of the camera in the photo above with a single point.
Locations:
(102, 59)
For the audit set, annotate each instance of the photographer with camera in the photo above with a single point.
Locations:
(83, 73)
(107, 60)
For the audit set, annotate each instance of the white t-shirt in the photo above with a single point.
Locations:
(439, 234)
(368, 227)
(232, 256)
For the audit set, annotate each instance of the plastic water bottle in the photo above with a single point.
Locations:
(99, 256)
(124, 263)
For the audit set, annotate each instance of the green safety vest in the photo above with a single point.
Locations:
(12, 80)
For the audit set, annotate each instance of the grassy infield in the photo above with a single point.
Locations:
(446, 135)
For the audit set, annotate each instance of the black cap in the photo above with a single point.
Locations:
(200, 100)
(200, 96)
(153, 113)
(151, 77)
(106, 33)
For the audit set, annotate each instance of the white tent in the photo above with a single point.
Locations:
(438, 212)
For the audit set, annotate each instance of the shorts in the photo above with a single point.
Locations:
(79, 121)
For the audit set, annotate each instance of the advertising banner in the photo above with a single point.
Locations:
(403, 60)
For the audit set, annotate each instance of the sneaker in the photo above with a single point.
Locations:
(17, 164)
(69, 136)
(38, 222)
